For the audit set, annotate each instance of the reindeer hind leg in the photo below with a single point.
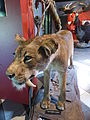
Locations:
(71, 62)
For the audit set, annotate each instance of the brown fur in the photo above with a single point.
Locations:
(44, 53)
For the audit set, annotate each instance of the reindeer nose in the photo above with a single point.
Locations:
(9, 75)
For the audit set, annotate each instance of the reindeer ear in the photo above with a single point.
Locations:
(44, 51)
(48, 47)
(19, 38)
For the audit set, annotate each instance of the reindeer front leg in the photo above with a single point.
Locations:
(62, 96)
(46, 101)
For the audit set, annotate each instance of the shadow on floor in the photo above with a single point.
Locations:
(86, 111)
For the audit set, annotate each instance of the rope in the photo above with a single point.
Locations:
(42, 18)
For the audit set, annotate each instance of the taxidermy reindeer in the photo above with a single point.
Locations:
(43, 53)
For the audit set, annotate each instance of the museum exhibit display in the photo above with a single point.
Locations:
(37, 68)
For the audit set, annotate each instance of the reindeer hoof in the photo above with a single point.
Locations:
(45, 104)
(60, 106)
(71, 67)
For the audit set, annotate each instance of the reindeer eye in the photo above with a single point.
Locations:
(27, 59)
(14, 54)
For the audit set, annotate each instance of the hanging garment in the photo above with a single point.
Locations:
(27, 19)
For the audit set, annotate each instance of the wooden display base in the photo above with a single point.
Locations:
(73, 110)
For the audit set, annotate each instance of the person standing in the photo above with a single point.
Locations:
(77, 23)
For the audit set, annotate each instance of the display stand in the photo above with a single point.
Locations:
(73, 110)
